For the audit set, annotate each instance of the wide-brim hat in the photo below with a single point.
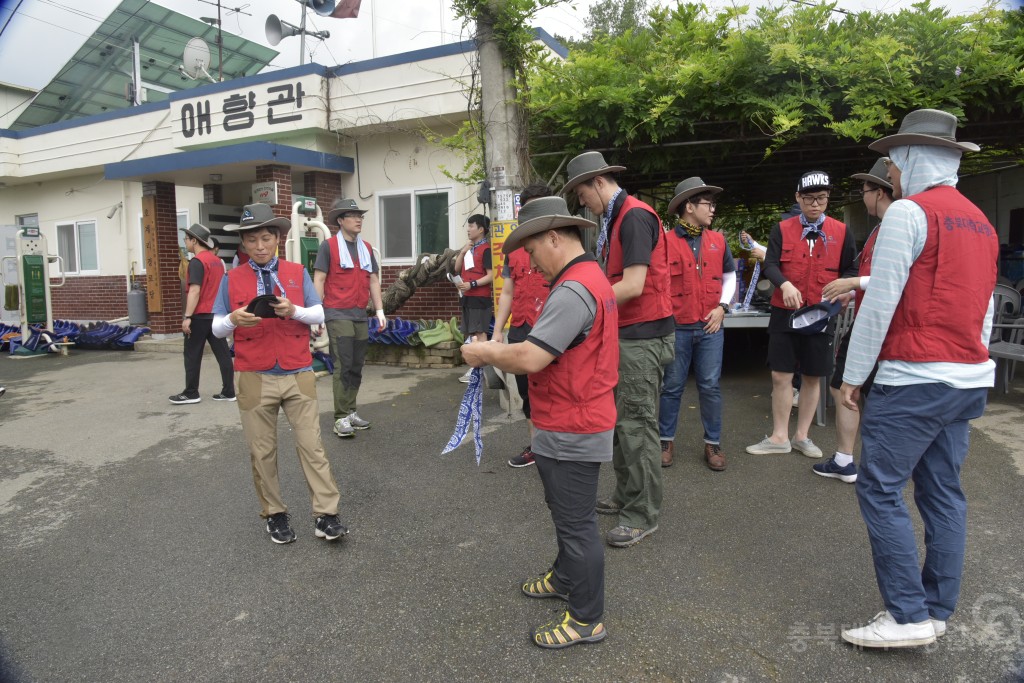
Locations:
(541, 215)
(925, 127)
(815, 318)
(586, 166)
(200, 232)
(258, 216)
(877, 175)
(341, 206)
(687, 189)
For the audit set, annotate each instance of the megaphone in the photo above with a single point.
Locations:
(322, 7)
(278, 30)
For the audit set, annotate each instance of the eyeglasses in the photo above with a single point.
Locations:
(710, 205)
(352, 215)
(815, 201)
(864, 190)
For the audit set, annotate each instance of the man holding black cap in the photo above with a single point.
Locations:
(275, 370)
(926, 319)
(346, 276)
(703, 283)
(570, 356)
(805, 252)
(876, 192)
(205, 271)
(631, 245)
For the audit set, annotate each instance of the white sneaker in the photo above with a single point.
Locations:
(807, 447)
(466, 377)
(884, 632)
(768, 447)
(940, 627)
(343, 428)
(796, 398)
(357, 422)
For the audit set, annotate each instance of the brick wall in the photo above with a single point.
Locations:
(168, 320)
(91, 298)
(325, 187)
(438, 300)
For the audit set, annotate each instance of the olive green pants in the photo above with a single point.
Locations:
(349, 341)
(636, 449)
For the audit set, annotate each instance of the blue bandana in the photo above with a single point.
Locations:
(470, 411)
(271, 270)
(814, 227)
(606, 219)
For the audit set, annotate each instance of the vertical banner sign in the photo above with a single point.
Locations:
(500, 230)
(152, 262)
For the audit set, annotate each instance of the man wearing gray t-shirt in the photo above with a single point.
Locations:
(345, 275)
(572, 357)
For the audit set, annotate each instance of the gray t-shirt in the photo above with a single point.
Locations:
(565, 322)
(323, 264)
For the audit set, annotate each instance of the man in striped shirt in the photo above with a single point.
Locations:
(929, 334)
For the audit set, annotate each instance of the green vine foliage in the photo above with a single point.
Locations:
(782, 72)
(511, 20)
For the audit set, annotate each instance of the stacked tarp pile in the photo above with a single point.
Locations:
(102, 336)
(427, 333)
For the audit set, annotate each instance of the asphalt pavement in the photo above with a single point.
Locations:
(132, 549)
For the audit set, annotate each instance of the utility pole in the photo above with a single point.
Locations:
(504, 148)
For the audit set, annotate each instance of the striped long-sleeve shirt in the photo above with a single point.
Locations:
(901, 238)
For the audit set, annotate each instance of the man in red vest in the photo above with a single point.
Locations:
(523, 293)
(570, 356)
(805, 252)
(346, 276)
(275, 370)
(205, 272)
(631, 246)
(876, 193)
(703, 283)
(474, 267)
(926, 319)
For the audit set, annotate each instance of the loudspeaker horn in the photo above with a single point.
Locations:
(278, 30)
(322, 7)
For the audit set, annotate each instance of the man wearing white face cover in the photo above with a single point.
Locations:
(929, 334)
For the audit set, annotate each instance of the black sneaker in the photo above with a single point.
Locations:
(524, 459)
(279, 529)
(179, 399)
(224, 397)
(329, 527)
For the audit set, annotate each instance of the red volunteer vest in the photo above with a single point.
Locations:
(942, 310)
(575, 393)
(213, 273)
(864, 270)
(274, 340)
(529, 290)
(345, 287)
(695, 291)
(809, 272)
(476, 272)
(655, 302)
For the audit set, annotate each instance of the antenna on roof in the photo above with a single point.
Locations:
(220, 33)
(196, 58)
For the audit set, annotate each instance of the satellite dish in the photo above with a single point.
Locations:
(322, 7)
(278, 30)
(196, 59)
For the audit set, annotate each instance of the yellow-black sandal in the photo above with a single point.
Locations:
(542, 587)
(567, 631)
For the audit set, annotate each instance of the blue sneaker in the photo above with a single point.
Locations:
(829, 468)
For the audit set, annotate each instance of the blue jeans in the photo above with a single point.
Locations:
(918, 431)
(705, 351)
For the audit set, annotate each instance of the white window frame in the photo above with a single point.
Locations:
(141, 241)
(78, 246)
(411, 193)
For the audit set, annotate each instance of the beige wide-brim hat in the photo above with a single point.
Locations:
(540, 215)
(925, 127)
(687, 189)
(586, 166)
(341, 206)
(258, 216)
(877, 175)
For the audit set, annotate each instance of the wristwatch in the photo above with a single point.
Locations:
(472, 284)
(725, 306)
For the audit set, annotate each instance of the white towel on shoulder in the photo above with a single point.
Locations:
(346, 258)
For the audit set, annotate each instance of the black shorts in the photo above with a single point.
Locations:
(837, 376)
(517, 335)
(810, 353)
(476, 315)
